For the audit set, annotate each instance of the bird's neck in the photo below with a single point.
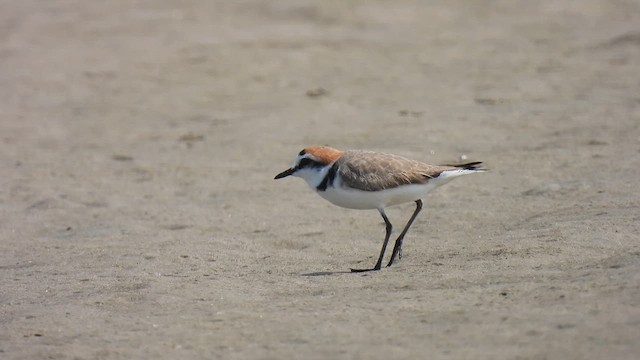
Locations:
(315, 177)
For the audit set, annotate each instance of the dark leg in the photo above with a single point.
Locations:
(397, 248)
(384, 244)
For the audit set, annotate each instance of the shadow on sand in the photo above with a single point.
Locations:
(327, 273)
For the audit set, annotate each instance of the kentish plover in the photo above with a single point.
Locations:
(358, 179)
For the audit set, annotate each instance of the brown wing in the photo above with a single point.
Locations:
(372, 171)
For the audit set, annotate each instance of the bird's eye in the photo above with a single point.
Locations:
(305, 162)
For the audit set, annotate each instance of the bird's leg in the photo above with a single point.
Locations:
(389, 228)
(397, 248)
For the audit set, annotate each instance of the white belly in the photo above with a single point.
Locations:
(358, 199)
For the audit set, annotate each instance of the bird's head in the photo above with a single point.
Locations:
(312, 164)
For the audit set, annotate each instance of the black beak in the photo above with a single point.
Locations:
(284, 173)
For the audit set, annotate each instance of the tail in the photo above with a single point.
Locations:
(474, 166)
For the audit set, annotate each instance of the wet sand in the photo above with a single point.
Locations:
(139, 218)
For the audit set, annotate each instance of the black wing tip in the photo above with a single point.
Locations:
(476, 165)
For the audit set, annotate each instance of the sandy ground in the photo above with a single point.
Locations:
(139, 217)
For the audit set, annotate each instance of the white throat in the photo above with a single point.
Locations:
(313, 176)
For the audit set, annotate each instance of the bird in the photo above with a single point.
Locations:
(362, 179)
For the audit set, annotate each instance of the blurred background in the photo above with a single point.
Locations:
(139, 140)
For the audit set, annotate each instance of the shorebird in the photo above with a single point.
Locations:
(359, 179)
